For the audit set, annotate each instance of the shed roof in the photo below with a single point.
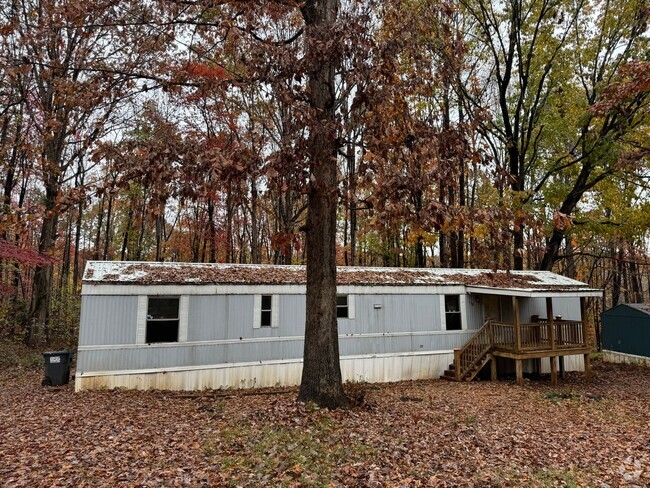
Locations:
(640, 307)
(145, 273)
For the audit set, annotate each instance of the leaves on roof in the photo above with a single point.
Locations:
(186, 273)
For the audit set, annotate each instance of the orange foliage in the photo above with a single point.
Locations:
(200, 70)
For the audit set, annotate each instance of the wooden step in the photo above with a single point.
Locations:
(449, 375)
(471, 374)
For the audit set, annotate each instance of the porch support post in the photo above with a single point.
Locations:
(515, 314)
(561, 360)
(583, 319)
(551, 326)
(457, 363)
(520, 372)
(493, 369)
(553, 370)
(587, 366)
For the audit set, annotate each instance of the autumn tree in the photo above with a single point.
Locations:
(68, 61)
(607, 135)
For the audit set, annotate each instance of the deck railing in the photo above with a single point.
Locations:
(566, 334)
(539, 336)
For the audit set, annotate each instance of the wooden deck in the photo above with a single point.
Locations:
(519, 341)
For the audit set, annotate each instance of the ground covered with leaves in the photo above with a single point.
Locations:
(428, 433)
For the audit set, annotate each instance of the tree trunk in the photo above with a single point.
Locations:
(353, 207)
(64, 273)
(443, 237)
(160, 237)
(229, 217)
(212, 232)
(570, 258)
(100, 223)
(256, 258)
(42, 284)
(77, 242)
(127, 231)
(321, 372)
(107, 236)
(143, 215)
(79, 181)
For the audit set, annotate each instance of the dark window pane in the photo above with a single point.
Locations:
(342, 312)
(266, 302)
(341, 300)
(162, 331)
(266, 318)
(452, 312)
(453, 321)
(452, 303)
(162, 308)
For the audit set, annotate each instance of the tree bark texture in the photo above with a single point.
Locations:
(321, 374)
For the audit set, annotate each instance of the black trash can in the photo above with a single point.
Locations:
(57, 368)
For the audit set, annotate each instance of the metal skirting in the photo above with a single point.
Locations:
(371, 369)
(621, 357)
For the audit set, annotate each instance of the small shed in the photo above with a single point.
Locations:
(626, 333)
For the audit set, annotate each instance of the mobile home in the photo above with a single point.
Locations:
(195, 326)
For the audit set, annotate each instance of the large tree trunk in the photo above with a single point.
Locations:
(321, 373)
(42, 282)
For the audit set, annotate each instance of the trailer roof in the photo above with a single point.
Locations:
(153, 273)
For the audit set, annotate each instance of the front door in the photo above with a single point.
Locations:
(491, 307)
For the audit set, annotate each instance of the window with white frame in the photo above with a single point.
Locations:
(162, 319)
(453, 316)
(265, 311)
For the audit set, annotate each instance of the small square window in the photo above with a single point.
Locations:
(342, 308)
(265, 317)
(162, 320)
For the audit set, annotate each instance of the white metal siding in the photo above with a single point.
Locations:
(220, 329)
(568, 308)
(473, 318)
(208, 318)
(108, 320)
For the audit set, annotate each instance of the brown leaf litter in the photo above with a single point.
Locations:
(425, 433)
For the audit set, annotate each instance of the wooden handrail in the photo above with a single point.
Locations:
(551, 335)
(474, 350)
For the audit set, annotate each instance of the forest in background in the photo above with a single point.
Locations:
(469, 133)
